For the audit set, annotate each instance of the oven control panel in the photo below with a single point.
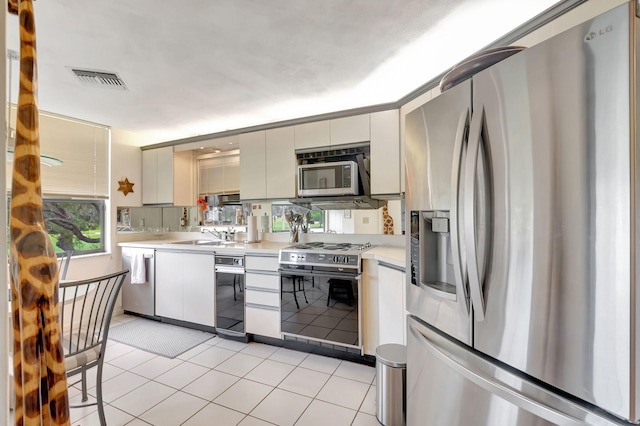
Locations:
(310, 258)
(342, 259)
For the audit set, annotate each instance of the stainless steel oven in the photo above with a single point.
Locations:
(321, 294)
(229, 277)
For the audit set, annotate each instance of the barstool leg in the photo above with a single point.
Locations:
(301, 284)
(293, 286)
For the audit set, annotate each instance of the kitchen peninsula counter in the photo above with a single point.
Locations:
(264, 247)
(390, 254)
(394, 255)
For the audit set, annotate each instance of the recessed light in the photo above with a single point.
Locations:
(202, 147)
(216, 151)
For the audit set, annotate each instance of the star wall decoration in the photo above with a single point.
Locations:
(125, 186)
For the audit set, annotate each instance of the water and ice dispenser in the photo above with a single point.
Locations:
(431, 260)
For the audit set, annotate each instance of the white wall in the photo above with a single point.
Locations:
(365, 221)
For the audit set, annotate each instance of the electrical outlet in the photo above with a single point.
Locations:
(365, 220)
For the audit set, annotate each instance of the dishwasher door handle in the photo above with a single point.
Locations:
(229, 270)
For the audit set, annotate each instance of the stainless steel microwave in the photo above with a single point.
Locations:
(336, 178)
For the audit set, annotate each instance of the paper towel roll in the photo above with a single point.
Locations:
(265, 223)
(252, 229)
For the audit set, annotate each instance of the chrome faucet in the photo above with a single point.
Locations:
(221, 235)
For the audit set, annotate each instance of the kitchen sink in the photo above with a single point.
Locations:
(202, 243)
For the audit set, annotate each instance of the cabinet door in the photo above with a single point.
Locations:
(199, 288)
(350, 130)
(262, 263)
(149, 172)
(253, 166)
(231, 175)
(164, 175)
(391, 307)
(385, 152)
(370, 317)
(262, 281)
(216, 180)
(169, 291)
(281, 163)
(262, 321)
(184, 178)
(312, 135)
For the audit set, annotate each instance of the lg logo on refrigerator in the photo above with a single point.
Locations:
(594, 34)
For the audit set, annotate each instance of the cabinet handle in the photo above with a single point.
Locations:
(263, 290)
(264, 307)
(259, 272)
(391, 266)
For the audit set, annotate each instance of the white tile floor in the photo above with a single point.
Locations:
(224, 382)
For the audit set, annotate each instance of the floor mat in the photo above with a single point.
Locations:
(161, 339)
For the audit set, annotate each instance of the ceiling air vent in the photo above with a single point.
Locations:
(103, 79)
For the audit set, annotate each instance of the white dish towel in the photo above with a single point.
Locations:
(138, 271)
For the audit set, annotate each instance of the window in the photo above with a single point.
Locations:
(74, 191)
(280, 224)
(75, 224)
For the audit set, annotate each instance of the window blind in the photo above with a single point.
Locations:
(84, 150)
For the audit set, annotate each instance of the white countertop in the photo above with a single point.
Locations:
(391, 254)
(264, 247)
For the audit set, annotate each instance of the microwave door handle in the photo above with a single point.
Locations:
(458, 253)
(475, 281)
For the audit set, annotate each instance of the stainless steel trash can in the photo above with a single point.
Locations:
(391, 379)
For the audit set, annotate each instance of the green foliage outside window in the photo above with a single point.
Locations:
(75, 224)
(279, 223)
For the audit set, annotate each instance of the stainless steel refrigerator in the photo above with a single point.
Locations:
(522, 201)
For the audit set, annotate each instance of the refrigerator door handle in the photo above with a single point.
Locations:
(494, 386)
(457, 250)
(475, 282)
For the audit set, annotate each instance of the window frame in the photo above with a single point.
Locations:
(103, 224)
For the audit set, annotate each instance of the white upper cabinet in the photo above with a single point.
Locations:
(281, 163)
(253, 185)
(219, 175)
(348, 130)
(330, 133)
(268, 164)
(385, 153)
(312, 135)
(168, 177)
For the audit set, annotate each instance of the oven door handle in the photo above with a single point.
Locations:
(320, 274)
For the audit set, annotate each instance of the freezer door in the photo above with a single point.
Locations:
(435, 146)
(554, 301)
(430, 137)
(447, 384)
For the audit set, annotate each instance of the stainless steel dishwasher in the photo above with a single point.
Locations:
(139, 298)
(229, 275)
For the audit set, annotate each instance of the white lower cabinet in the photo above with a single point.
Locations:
(262, 321)
(384, 306)
(262, 296)
(185, 287)
(392, 304)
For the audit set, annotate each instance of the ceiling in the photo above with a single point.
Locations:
(197, 67)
